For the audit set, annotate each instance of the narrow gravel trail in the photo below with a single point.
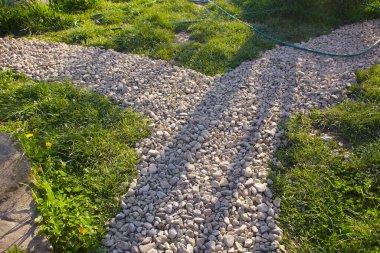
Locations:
(202, 184)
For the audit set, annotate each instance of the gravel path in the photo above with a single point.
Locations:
(202, 184)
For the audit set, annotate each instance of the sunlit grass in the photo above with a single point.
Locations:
(217, 43)
(80, 146)
(331, 190)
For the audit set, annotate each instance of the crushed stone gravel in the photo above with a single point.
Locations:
(202, 183)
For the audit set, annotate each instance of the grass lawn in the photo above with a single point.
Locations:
(214, 44)
(74, 139)
(330, 189)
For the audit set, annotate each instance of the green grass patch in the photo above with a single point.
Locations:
(16, 249)
(81, 149)
(28, 19)
(75, 6)
(330, 190)
(217, 43)
(358, 120)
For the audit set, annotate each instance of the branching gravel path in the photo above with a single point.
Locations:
(202, 184)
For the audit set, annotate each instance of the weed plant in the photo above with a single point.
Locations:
(80, 146)
(15, 249)
(330, 190)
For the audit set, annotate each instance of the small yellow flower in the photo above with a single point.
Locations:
(38, 219)
(48, 144)
(82, 230)
(28, 136)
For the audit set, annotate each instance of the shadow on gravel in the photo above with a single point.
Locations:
(205, 208)
(218, 198)
(199, 176)
(201, 169)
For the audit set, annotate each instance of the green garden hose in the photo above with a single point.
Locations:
(373, 6)
(281, 42)
(97, 15)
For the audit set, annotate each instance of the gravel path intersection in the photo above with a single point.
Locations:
(202, 183)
